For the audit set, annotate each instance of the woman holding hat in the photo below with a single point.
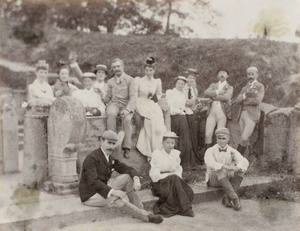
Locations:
(175, 196)
(149, 90)
(40, 89)
(90, 99)
(62, 86)
(179, 124)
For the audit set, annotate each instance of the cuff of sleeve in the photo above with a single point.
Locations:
(130, 111)
(217, 92)
(109, 194)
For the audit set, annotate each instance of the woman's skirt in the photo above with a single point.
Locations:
(175, 196)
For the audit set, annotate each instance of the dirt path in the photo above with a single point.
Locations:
(256, 215)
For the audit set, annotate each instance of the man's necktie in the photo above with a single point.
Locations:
(223, 150)
(190, 93)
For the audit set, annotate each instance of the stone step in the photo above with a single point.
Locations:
(45, 211)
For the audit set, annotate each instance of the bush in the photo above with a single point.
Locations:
(28, 35)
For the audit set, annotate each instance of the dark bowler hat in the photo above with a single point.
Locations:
(223, 69)
(110, 135)
(101, 67)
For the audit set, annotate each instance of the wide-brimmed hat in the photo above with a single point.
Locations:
(169, 134)
(88, 75)
(101, 67)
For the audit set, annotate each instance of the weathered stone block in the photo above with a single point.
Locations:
(35, 163)
(9, 159)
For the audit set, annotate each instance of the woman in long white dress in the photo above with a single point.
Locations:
(149, 91)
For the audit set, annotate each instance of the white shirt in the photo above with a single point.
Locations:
(38, 90)
(215, 160)
(164, 164)
(90, 98)
(176, 100)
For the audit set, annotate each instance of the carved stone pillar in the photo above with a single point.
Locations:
(66, 130)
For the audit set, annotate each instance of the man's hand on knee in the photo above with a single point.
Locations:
(124, 113)
(118, 193)
(136, 183)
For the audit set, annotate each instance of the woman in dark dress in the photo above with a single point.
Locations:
(175, 196)
(177, 101)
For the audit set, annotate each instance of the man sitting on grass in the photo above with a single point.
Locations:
(225, 168)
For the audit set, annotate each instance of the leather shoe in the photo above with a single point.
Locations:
(155, 218)
(236, 204)
(126, 153)
(227, 202)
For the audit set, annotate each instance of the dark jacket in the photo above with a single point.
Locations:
(96, 172)
(254, 97)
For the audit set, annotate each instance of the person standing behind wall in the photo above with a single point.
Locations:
(250, 99)
(219, 108)
(121, 97)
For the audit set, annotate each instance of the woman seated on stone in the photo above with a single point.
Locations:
(175, 196)
(179, 124)
(149, 90)
(40, 89)
(100, 71)
(90, 99)
(62, 86)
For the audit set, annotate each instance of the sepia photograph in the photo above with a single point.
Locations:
(149, 115)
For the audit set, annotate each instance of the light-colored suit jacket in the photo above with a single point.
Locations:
(225, 98)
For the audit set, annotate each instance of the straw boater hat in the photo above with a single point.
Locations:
(88, 75)
(169, 134)
(101, 67)
(181, 78)
(192, 72)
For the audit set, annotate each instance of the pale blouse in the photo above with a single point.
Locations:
(176, 100)
(38, 90)
(164, 164)
(101, 86)
(146, 86)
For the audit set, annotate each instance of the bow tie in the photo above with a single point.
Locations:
(223, 150)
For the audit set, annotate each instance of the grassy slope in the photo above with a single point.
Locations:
(173, 56)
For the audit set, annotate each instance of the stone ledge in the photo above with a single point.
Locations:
(60, 211)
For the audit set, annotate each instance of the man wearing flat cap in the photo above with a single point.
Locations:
(219, 108)
(121, 97)
(107, 181)
(225, 168)
(250, 99)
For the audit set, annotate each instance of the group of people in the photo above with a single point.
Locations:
(170, 146)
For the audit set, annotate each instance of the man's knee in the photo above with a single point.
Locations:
(127, 119)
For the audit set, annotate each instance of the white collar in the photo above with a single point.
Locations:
(106, 156)
(226, 147)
